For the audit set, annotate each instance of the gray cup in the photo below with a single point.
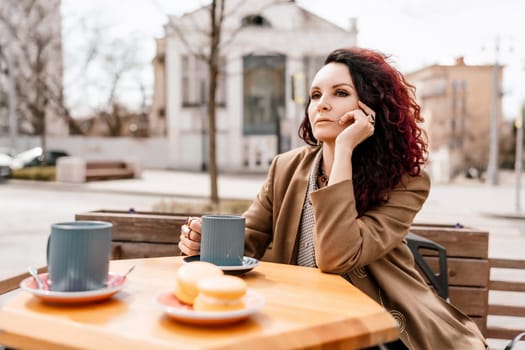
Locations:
(222, 239)
(78, 255)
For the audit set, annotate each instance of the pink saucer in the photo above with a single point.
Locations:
(115, 283)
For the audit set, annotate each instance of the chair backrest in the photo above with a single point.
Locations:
(438, 280)
(467, 263)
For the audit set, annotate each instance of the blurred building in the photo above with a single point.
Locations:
(119, 121)
(31, 66)
(456, 102)
(269, 53)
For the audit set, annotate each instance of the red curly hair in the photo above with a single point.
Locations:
(398, 145)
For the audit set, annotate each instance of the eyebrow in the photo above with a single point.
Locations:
(336, 86)
(344, 84)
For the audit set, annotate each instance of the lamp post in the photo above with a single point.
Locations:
(519, 156)
(492, 167)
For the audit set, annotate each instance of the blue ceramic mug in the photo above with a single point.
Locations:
(222, 239)
(78, 255)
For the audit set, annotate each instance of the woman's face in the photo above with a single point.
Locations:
(332, 94)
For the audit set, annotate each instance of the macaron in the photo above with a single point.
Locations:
(220, 293)
(189, 275)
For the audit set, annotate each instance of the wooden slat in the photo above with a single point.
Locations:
(105, 165)
(470, 300)
(13, 282)
(140, 227)
(464, 272)
(507, 263)
(506, 310)
(459, 242)
(107, 174)
(502, 333)
(507, 286)
(132, 250)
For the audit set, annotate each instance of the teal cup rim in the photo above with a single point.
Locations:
(222, 217)
(82, 225)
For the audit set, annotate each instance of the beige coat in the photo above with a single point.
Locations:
(370, 250)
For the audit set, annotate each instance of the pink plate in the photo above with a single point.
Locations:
(115, 283)
(179, 311)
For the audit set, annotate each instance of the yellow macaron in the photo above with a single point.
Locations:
(189, 275)
(220, 293)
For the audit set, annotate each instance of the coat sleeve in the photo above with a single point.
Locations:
(344, 241)
(259, 218)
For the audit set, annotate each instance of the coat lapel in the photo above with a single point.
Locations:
(287, 225)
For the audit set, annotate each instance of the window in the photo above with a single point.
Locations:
(264, 94)
(255, 21)
(195, 82)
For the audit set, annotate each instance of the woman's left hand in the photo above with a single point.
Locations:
(361, 126)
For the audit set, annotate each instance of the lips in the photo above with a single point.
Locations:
(324, 120)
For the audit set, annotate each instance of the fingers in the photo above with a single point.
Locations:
(190, 237)
(188, 246)
(192, 229)
(357, 115)
(190, 233)
(347, 118)
(358, 126)
(368, 111)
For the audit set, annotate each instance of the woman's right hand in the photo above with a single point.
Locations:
(190, 236)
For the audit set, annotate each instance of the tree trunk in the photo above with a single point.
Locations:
(216, 22)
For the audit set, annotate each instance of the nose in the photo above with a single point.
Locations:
(323, 104)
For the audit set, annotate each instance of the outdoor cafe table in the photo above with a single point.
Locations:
(304, 308)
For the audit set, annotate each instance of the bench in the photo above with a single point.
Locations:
(484, 288)
(79, 170)
(141, 234)
(108, 170)
(472, 276)
(507, 311)
(467, 264)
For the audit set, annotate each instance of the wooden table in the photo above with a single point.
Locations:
(304, 309)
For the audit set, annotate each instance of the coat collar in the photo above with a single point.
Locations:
(292, 207)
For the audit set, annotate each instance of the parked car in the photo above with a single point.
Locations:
(33, 157)
(8, 151)
(5, 165)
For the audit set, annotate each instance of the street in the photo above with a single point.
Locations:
(27, 214)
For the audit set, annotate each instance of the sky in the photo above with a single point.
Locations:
(416, 33)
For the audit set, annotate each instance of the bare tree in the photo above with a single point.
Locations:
(211, 57)
(32, 37)
(101, 68)
(217, 18)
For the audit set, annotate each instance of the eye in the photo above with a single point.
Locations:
(341, 93)
(315, 95)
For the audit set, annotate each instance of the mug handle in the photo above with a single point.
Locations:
(47, 250)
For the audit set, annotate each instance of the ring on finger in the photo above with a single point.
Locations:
(186, 231)
(189, 220)
(372, 118)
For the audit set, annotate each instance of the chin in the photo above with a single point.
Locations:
(324, 139)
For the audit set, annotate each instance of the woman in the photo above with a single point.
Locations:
(345, 202)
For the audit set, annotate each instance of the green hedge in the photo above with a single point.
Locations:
(46, 173)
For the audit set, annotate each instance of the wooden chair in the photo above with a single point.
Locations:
(141, 234)
(506, 318)
(467, 264)
(472, 279)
